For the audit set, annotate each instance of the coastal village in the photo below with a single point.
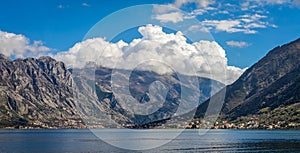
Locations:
(253, 123)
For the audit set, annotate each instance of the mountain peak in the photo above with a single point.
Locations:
(2, 56)
(35, 91)
(46, 59)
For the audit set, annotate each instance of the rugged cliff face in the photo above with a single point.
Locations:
(272, 84)
(35, 91)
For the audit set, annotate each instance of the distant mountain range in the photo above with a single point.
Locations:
(40, 93)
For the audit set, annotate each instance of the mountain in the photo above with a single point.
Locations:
(268, 91)
(35, 91)
(44, 93)
(105, 107)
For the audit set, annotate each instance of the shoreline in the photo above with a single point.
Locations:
(60, 128)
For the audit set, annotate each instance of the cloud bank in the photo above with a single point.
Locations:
(203, 58)
(17, 45)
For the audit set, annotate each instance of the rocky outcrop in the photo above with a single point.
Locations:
(35, 91)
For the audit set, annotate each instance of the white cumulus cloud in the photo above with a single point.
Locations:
(203, 58)
(273, 2)
(199, 3)
(169, 13)
(239, 44)
(230, 26)
(170, 17)
(19, 46)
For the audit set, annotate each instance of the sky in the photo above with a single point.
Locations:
(245, 30)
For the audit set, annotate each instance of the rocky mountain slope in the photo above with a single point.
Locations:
(105, 107)
(35, 91)
(44, 93)
(268, 91)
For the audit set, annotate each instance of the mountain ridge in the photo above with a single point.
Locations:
(272, 82)
(40, 92)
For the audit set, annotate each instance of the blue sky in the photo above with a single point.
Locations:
(61, 24)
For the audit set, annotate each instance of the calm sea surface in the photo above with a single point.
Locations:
(188, 141)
